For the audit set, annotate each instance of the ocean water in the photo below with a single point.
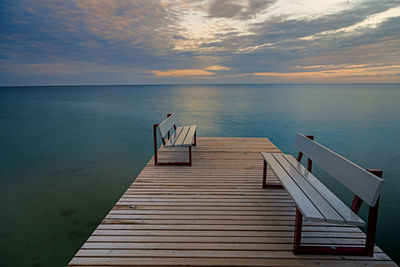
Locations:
(69, 152)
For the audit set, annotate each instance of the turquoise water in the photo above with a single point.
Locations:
(68, 153)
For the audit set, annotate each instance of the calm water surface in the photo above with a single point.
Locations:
(68, 153)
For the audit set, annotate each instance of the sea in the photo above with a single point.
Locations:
(67, 153)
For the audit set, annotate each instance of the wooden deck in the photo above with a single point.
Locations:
(211, 214)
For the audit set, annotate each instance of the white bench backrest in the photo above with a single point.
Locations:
(167, 124)
(361, 182)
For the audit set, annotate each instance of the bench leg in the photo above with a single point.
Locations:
(264, 181)
(298, 226)
(366, 250)
(190, 156)
(195, 141)
(371, 230)
(155, 144)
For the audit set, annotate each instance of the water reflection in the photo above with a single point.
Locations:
(68, 153)
(200, 105)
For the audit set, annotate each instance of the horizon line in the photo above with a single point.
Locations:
(176, 84)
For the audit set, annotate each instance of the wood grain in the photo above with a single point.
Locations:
(213, 213)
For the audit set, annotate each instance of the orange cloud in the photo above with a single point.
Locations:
(189, 72)
(379, 71)
(342, 66)
(180, 73)
(217, 67)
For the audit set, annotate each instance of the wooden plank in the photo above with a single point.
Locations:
(215, 233)
(201, 253)
(348, 215)
(330, 214)
(190, 136)
(225, 239)
(179, 140)
(361, 182)
(307, 208)
(174, 135)
(167, 124)
(254, 228)
(198, 217)
(176, 261)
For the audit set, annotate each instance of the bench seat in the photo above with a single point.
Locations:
(312, 198)
(183, 136)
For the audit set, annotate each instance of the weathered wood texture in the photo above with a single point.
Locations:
(212, 214)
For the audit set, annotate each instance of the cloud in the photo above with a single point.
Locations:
(217, 68)
(189, 72)
(250, 49)
(65, 67)
(342, 66)
(347, 72)
(202, 29)
(134, 23)
(250, 36)
(224, 9)
(182, 72)
(370, 22)
(237, 9)
(375, 52)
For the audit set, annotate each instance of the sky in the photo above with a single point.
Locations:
(79, 42)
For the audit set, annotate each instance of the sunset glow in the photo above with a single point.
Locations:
(255, 41)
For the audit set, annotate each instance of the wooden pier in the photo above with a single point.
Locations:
(213, 213)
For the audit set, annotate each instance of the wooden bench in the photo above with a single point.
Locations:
(172, 136)
(316, 202)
